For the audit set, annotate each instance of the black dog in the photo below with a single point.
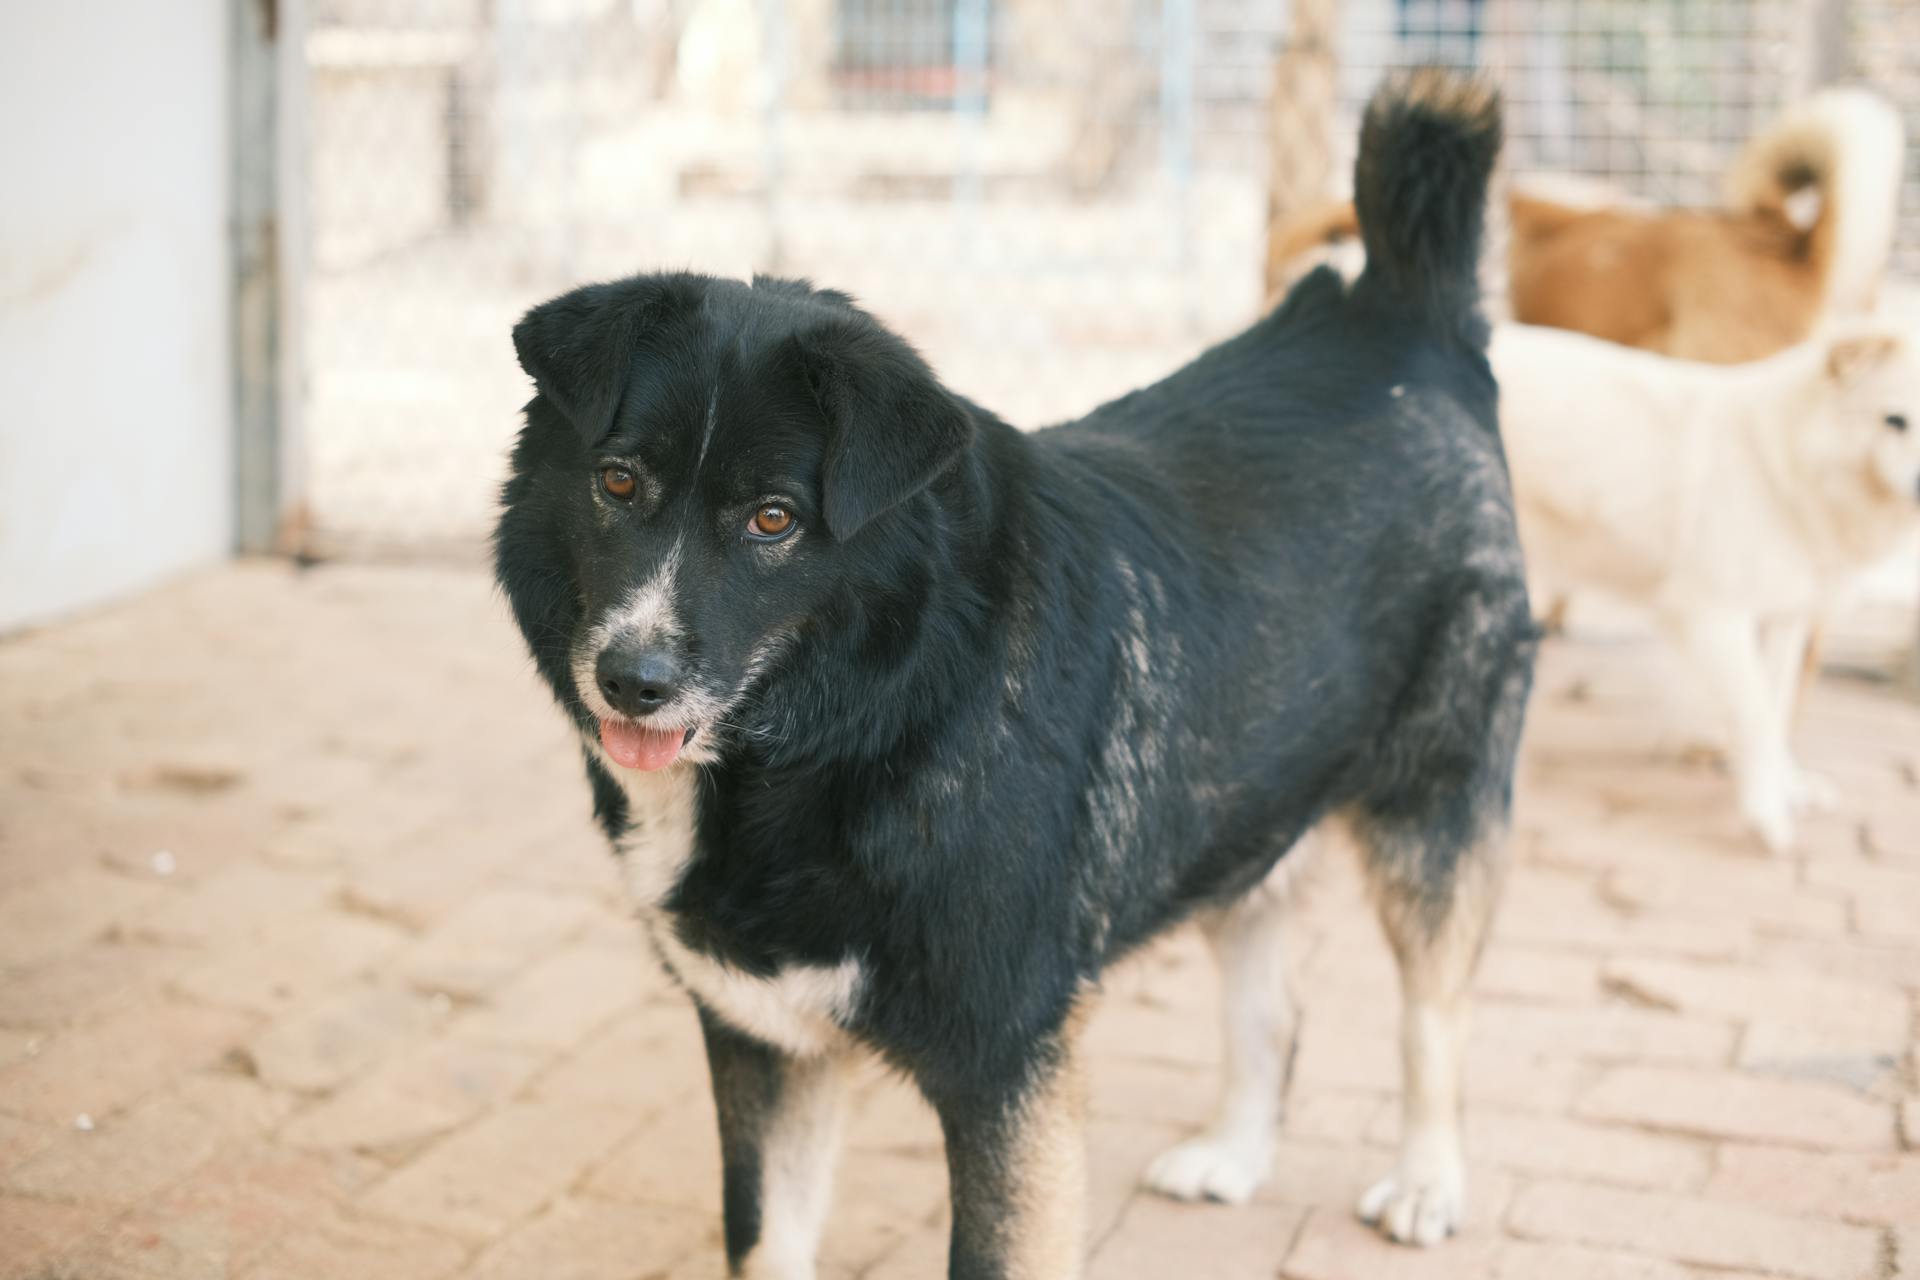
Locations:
(906, 723)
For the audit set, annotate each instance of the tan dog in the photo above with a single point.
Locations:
(1723, 286)
(1735, 503)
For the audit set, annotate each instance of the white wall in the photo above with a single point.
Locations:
(116, 453)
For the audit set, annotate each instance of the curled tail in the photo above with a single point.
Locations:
(1428, 144)
(1848, 145)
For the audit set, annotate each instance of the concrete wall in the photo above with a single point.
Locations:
(116, 453)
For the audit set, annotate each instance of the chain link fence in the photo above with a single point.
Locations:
(1654, 97)
(1057, 200)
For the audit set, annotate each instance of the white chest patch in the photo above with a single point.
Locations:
(802, 1009)
(659, 838)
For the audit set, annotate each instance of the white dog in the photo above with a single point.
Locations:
(1735, 501)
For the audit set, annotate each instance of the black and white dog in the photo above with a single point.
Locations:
(906, 724)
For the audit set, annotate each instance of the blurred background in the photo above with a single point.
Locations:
(1057, 200)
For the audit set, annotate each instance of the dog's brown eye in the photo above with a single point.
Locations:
(1898, 421)
(618, 481)
(770, 522)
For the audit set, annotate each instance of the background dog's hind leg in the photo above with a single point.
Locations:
(780, 1120)
(1234, 1156)
(1436, 930)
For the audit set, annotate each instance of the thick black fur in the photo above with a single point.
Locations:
(1043, 695)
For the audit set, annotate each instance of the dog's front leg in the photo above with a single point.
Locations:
(1016, 1161)
(780, 1119)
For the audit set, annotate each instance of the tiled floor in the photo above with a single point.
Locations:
(312, 966)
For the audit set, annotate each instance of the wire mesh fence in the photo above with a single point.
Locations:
(1653, 96)
(1056, 199)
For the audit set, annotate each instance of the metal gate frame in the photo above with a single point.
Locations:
(267, 119)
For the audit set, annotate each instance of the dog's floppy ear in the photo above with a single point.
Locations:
(893, 427)
(578, 349)
(1854, 354)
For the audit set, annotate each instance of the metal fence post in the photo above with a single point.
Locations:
(268, 238)
(1824, 54)
(972, 46)
(774, 55)
(1177, 92)
(1300, 122)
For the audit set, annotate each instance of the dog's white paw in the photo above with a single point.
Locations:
(1773, 823)
(1228, 1170)
(762, 1265)
(1417, 1206)
(1814, 792)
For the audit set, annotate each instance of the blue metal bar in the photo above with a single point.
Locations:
(972, 46)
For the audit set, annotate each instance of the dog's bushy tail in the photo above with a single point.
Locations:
(1428, 144)
(1848, 145)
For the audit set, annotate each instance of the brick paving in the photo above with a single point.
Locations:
(313, 966)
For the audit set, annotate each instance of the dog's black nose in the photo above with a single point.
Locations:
(636, 682)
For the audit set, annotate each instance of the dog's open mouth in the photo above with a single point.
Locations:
(635, 746)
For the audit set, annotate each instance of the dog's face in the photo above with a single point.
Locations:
(1875, 376)
(691, 492)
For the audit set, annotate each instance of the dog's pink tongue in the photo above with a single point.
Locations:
(637, 747)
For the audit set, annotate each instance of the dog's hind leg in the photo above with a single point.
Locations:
(1234, 1156)
(1432, 828)
(780, 1119)
(1436, 911)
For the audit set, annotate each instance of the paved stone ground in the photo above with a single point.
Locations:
(311, 967)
